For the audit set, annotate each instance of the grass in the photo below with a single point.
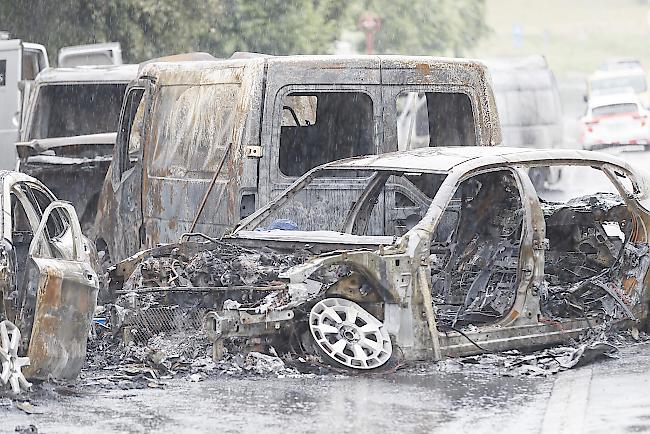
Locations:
(575, 35)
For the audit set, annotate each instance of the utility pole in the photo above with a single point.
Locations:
(369, 23)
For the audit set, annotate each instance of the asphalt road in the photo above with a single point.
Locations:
(608, 396)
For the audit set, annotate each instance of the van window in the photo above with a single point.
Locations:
(319, 127)
(194, 125)
(129, 140)
(32, 64)
(434, 119)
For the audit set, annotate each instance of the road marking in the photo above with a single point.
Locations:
(565, 412)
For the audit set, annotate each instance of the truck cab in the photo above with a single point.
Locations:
(20, 62)
(69, 129)
(203, 144)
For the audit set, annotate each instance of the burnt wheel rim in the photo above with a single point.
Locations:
(349, 334)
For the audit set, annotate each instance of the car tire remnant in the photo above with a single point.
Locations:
(349, 335)
(9, 359)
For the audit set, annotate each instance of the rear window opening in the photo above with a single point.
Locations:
(614, 109)
(77, 109)
(319, 127)
(434, 119)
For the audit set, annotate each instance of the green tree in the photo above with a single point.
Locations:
(426, 27)
(153, 28)
(276, 26)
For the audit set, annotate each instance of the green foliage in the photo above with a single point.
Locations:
(275, 26)
(153, 28)
(427, 27)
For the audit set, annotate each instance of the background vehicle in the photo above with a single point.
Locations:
(622, 78)
(109, 53)
(615, 119)
(20, 62)
(203, 144)
(69, 131)
(528, 100)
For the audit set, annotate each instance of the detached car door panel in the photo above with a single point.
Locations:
(59, 296)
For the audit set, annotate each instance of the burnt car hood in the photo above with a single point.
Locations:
(252, 259)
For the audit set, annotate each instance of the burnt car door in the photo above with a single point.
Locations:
(57, 294)
(481, 252)
(119, 218)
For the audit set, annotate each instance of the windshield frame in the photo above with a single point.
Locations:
(252, 222)
(36, 97)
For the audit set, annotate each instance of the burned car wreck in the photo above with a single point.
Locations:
(472, 258)
(48, 284)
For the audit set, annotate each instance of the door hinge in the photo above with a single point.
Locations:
(253, 151)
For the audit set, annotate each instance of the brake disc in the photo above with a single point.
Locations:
(349, 335)
(10, 363)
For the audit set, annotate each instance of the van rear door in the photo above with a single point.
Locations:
(194, 128)
(317, 111)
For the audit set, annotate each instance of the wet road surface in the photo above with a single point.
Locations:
(607, 396)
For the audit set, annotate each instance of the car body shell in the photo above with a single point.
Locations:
(399, 269)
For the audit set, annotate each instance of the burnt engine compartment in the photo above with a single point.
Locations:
(474, 267)
(207, 274)
(592, 266)
(171, 290)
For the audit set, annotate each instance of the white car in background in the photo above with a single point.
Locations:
(615, 119)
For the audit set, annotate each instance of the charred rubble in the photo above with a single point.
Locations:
(593, 267)
(169, 290)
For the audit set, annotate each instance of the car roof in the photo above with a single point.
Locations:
(94, 73)
(446, 159)
(201, 69)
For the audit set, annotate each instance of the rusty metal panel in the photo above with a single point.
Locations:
(187, 143)
(63, 313)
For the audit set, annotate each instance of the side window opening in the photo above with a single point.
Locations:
(434, 119)
(592, 254)
(58, 237)
(22, 231)
(475, 251)
(319, 127)
(131, 127)
(57, 223)
(57, 228)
